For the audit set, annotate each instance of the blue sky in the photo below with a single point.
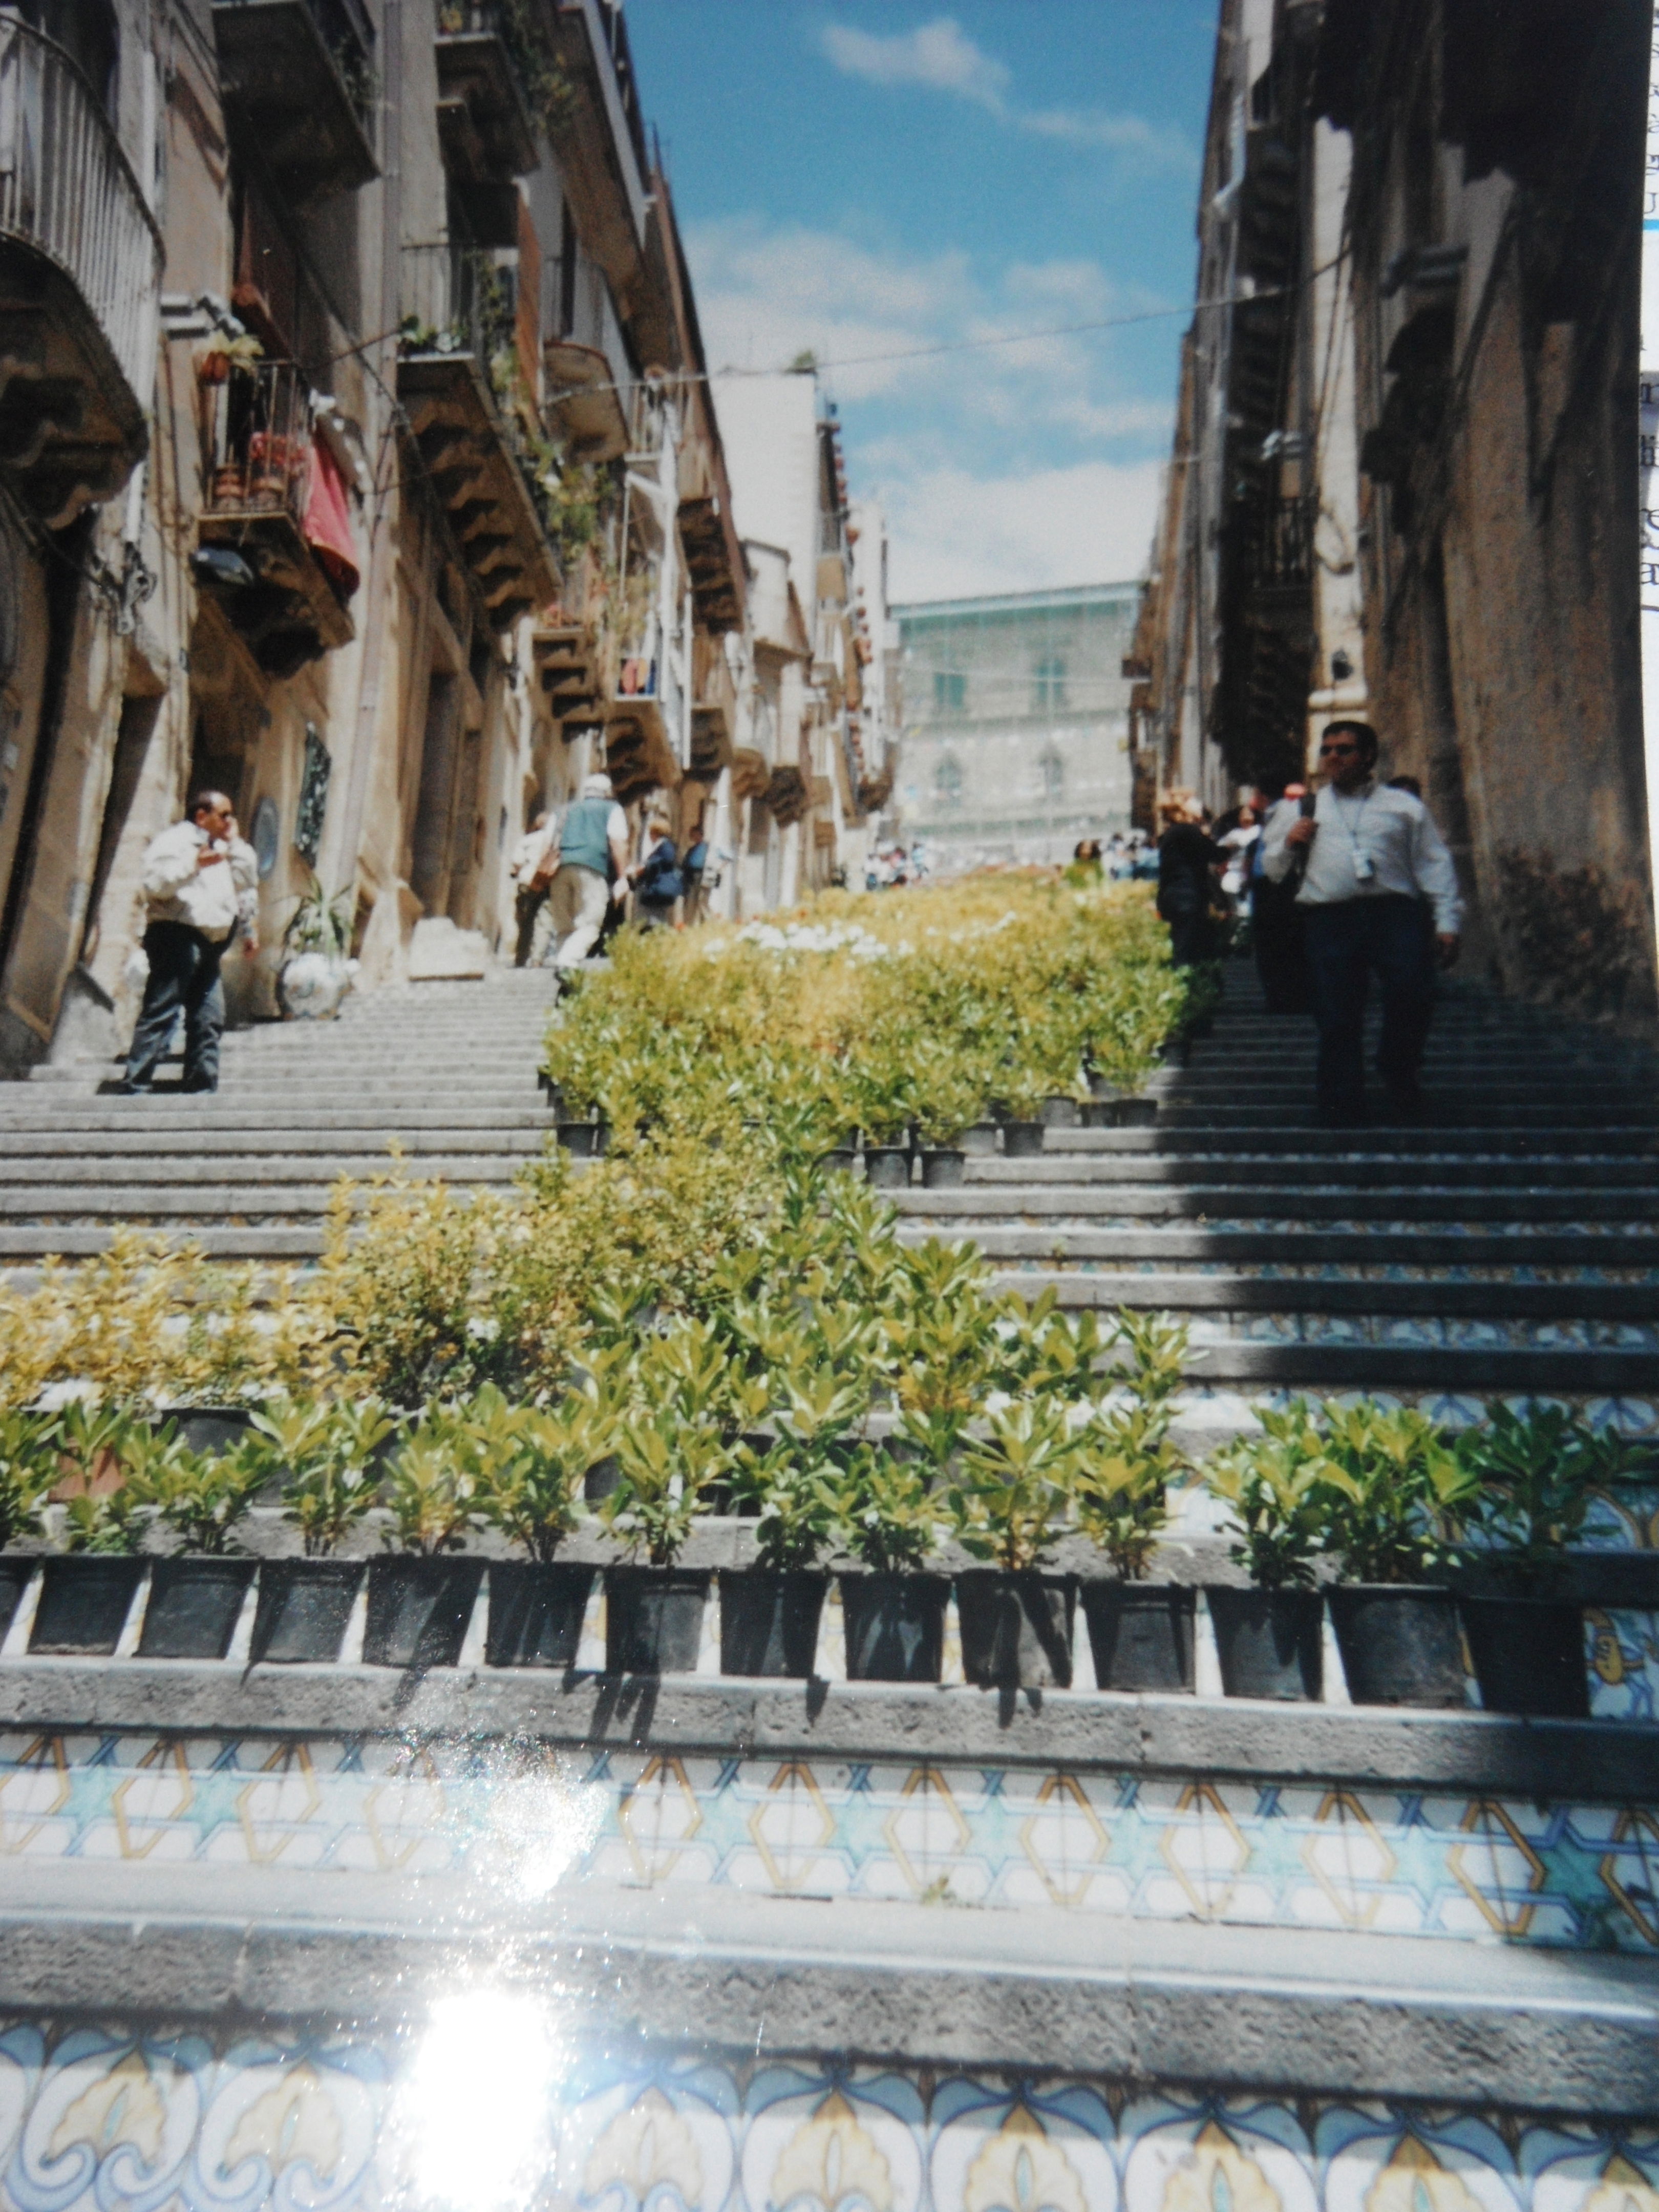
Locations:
(868, 176)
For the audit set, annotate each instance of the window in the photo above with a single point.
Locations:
(949, 693)
(1049, 686)
(947, 779)
(1051, 775)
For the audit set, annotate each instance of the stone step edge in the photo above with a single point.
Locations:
(1602, 1761)
(1343, 2015)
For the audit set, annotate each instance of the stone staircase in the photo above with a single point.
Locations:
(446, 1071)
(924, 1948)
(1509, 1243)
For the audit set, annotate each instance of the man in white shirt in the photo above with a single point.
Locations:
(196, 879)
(1374, 859)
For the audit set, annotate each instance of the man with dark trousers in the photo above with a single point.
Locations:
(194, 875)
(1372, 855)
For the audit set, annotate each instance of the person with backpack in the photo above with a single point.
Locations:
(657, 877)
(586, 856)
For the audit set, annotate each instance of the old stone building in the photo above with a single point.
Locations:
(1016, 724)
(1402, 483)
(356, 455)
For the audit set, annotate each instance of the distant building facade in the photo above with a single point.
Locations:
(1016, 723)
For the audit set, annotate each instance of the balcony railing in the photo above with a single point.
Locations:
(68, 191)
(1279, 546)
(262, 442)
(458, 299)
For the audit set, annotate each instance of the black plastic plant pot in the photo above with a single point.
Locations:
(212, 1429)
(979, 1140)
(769, 1621)
(1061, 1111)
(1101, 1113)
(1141, 1634)
(601, 1478)
(895, 1626)
(303, 1609)
(654, 1619)
(583, 1140)
(887, 1167)
(535, 1614)
(194, 1606)
(1528, 1656)
(13, 1580)
(1400, 1643)
(419, 1609)
(84, 1603)
(1270, 1642)
(1022, 1141)
(1134, 1113)
(840, 1159)
(1016, 1629)
(942, 1167)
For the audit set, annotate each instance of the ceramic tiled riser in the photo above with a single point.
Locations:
(514, 1824)
(488, 2102)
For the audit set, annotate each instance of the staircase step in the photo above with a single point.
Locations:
(1231, 1203)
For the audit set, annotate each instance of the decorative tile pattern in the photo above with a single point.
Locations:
(1006, 1839)
(486, 2103)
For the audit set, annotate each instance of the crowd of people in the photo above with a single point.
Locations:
(1329, 887)
(577, 881)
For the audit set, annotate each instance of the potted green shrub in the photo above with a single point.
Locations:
(654, 1610)
(29, 1467)
(530, 1465)
(196, 1595)
(893, 1611)
(317, 968)
(421, 1596)
(86, 1596)
(1537, 1473)
(770, 1613)
(323, 1456)
(1397, 1493)
(1140, 1631)
(1012, 1492)
(1021, 1091)
(1268, 1638)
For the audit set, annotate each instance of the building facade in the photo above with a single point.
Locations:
(1402, 483)
(813, 768)
(357, 456)
(1016, 723)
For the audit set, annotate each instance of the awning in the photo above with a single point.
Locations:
(328, 522)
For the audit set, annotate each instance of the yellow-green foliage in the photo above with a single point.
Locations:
(866, 1011)
(141, 1322)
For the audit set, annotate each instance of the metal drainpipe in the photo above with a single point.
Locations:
(379, 554)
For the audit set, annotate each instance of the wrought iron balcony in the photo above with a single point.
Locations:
(299, 76)
(274, 539)
(485, 125)
(1278, 545)
(461, 379)
(80, 279)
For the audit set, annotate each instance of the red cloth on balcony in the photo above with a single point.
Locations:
(328, 522)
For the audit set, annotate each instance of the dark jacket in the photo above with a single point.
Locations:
(1185, 858)
(661, 882)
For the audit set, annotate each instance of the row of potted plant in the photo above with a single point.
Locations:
(1379, 1499)
(931, 1013)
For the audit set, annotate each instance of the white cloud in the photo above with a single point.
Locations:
(939, 55)
(1148, 145)
(955, 534)
(968, 450)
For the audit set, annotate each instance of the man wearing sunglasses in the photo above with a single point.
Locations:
(1372, 856)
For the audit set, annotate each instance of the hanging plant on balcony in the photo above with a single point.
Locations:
(548, 90)
(221, 355)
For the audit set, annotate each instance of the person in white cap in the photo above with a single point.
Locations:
(589, 867)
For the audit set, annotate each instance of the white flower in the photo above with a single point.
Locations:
(484, 1332)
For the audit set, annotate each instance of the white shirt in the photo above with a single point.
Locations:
(527, 853)
(208, 899)
(1393, 831)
